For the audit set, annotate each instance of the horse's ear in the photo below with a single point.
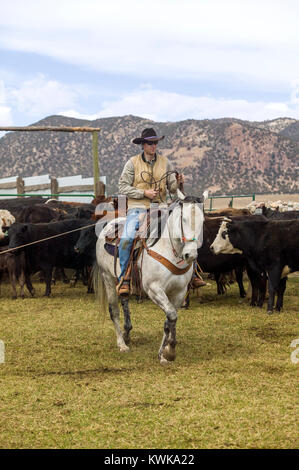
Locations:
(181, 196)
(205, 194)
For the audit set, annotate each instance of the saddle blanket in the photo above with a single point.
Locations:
(111, 249)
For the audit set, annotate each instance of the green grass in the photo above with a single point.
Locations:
(65, 385)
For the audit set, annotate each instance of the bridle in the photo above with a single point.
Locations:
(183, 239)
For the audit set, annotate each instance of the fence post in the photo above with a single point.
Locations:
(95, 154)
(20, 186)
(54, 186)
(99, 188)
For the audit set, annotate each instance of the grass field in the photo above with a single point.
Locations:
(65, 385)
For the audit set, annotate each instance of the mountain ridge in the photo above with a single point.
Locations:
(226, 155)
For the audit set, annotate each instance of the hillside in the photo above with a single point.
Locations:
(226, 155)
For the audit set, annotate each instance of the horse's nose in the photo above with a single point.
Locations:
(76, 249)
(212, 248)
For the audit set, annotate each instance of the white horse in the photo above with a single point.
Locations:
(179, 241)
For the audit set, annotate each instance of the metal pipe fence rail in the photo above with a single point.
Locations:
(229, 196)
(47, 195)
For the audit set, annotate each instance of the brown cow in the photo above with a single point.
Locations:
(228, 212)
(14, 265)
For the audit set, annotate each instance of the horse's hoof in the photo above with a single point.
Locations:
(124, 349)
(270, 312)
(169, 353)
(164, 361)
(127, 339)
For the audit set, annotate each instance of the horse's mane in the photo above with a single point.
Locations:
(196, 199)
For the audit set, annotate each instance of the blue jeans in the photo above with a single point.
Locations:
(127, 238)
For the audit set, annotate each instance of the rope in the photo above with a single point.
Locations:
(157, 183)
(197, 269)
(48, 238)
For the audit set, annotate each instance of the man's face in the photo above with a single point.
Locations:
(150, 148)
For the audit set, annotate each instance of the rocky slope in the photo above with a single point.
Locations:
(229, 156)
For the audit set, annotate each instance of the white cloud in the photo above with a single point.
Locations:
(5, 111)
(190, 38)
(41, 96)
(165, 106)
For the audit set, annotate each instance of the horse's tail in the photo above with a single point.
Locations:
(100, 290)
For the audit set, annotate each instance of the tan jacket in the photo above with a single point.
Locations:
(133, 182)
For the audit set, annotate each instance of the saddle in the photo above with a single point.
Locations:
(113, 236)
(146, 230)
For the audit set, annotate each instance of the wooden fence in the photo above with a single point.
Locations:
(53, 186)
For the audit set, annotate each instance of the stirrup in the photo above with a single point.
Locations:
(123, 287)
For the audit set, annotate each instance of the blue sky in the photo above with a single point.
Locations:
(166, 60)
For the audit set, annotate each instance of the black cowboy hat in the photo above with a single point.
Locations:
(147, 135)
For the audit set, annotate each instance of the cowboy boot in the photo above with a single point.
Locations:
(197, 281)
(123, 287)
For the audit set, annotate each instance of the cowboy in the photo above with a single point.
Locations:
(137, 182)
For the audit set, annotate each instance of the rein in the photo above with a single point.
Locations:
(157, 183)
(183, 238)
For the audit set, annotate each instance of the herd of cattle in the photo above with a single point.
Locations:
(266, 246)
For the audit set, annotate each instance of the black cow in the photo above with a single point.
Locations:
(86, 246)
(277, 215)
(79, 210)
(219, 264)
(16, 205)
(269, 246)
(37, 214)
(55, 252)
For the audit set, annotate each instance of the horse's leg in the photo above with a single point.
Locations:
(167, 348)
(127, 324)
(114, 315)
